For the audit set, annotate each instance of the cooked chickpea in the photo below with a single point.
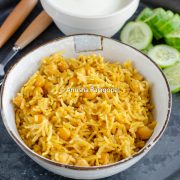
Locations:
(127, 126)
(89, 95)
(95, 117)
(152, 125)
(54, 119)
(18, 100)
(104, 158)
(63, 66)
(140, 144)
(64, 133)
(40, 81)
(73, 80)
(48, 86)
(38, 118)
(82, 162)
(110, 94)
(144, 133)
(51, 69)
(63, 157)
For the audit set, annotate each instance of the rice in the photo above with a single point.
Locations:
(85, 126)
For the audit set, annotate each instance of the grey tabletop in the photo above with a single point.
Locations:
(162, 162)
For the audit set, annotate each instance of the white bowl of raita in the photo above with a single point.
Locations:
(102, 17)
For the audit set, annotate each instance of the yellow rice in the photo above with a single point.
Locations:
(84, 128)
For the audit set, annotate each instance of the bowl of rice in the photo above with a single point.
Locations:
(85, 106)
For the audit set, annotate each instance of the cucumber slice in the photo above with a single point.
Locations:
(174, 46)
(171, 25)
(173, 76)
(173, 41)
(158, 16)
(163, 18)
(156, 33)
(137, 34)
(177, 47)
(164, 55)
(173, 38)
(146, 13)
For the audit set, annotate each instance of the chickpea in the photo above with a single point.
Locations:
(40, 81)
(38, 118)
(73, 80)
(110, 94)
(63, 157)
(54, 119)
(18, 100)
(127, 126)
(140, 144)
(63, 66)
(51, 69)
(95, 117)
(144, 133)
(104, 158)
(135, 86)
(82, 162)
(36, 148)
(152, 125)
(89, 95)
(64, 133)
(48, 86)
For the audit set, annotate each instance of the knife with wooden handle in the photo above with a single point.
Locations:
(40, 24)
(34, 30)
(15, 19)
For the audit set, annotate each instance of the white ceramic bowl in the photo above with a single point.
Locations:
(73, 46)
(106, 25)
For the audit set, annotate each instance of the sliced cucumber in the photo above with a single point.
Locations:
(174, 34)
(137, 34)
(173, 76)
(171, 25)
(158, 16)
(177, 47)
(173, 41)
(146, 13)
(160, 21)
(164, 55)
(173, 38)
(163, 18)
(156, 33)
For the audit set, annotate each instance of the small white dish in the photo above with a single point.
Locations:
(107, 25)
(73, 46)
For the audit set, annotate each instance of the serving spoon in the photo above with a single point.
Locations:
(39, 25)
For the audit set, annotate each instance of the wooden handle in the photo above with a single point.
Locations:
(15, 19)
(41, 23)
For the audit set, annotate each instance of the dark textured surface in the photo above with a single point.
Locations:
(174, 5)
(162, 162)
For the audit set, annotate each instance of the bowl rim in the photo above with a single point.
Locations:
(123, 9)
(33, 154)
